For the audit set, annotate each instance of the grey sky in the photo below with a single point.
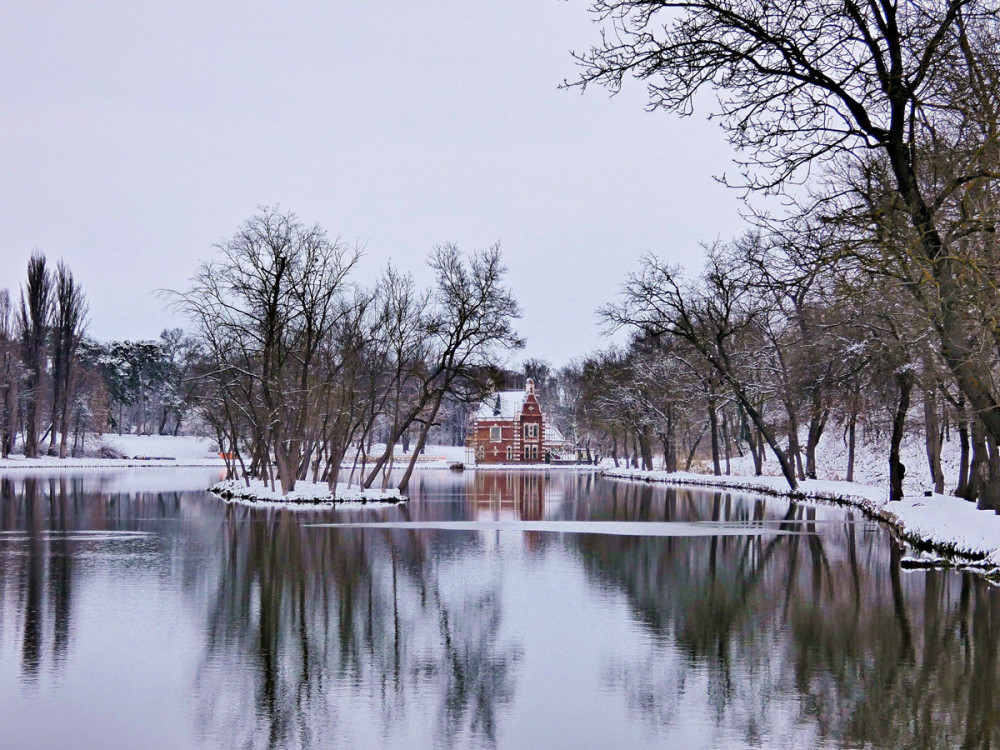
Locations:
(137, 134)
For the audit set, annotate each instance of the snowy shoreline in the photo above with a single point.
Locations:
(944, 524)
(51, 462)
(306, 495)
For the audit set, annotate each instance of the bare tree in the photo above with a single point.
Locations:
(68, 325)
(33, 321)
(468, 329)
(720, 318)
(10, 374)
(264, 311)
(805, 85)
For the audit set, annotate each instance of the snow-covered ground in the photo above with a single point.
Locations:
(131, 451)
(305, 494)
(433, 457)
(871, 462)
(945, 523)
(111, 450)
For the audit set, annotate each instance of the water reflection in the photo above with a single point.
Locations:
(284, 634)
(322, 611)
(870, 655)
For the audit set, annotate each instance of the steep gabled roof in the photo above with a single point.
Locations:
(502, 405)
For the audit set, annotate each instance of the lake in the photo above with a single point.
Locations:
(497, 609)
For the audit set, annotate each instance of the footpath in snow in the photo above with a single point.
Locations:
(305, 494)
(943, 523)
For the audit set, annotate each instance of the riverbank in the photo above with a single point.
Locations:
(944, 524)
(111, 451)
(53, 463)
(306, 494)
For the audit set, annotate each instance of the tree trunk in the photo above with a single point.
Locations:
(991, 490)
(726, 441)
(645, 437)
(757, 452)
(932, 433)
(852, 441)
(963, 438)
(794, 450)
(421, 442)
(897, 471)
(972, 374)
(64, 425)
(713, 421)
(817, 423)
(691, 452)
(286, 468)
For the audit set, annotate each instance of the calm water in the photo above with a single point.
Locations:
(515, 610)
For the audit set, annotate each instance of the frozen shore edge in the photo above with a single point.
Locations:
(943, 524)
(307, 495)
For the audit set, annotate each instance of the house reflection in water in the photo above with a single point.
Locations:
(512, 495)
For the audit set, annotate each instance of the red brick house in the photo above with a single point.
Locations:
(510, 428)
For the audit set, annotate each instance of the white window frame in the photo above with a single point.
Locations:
(496, 434)
(510, 452)
(531, 430)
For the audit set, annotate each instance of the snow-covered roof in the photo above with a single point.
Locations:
(553, 434)
(502, 405)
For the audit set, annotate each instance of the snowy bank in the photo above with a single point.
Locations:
(308, 494)
(942, 523)
(127, 452)
(532, 467)
(53, 463)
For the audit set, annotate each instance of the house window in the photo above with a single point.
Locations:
(510, 452)
(531, 430)
(495, 434)
(527, 453)
(482, 451)
(534, 453)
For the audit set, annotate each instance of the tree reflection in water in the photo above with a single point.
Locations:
(335, 615)
(824, 620)
(46, 527)
(307, 636)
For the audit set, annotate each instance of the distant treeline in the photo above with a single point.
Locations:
(57, 385)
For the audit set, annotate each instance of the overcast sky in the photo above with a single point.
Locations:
(135, 135)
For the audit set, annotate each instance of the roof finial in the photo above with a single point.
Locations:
(529, 386)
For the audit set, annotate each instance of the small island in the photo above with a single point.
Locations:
(310, 494)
